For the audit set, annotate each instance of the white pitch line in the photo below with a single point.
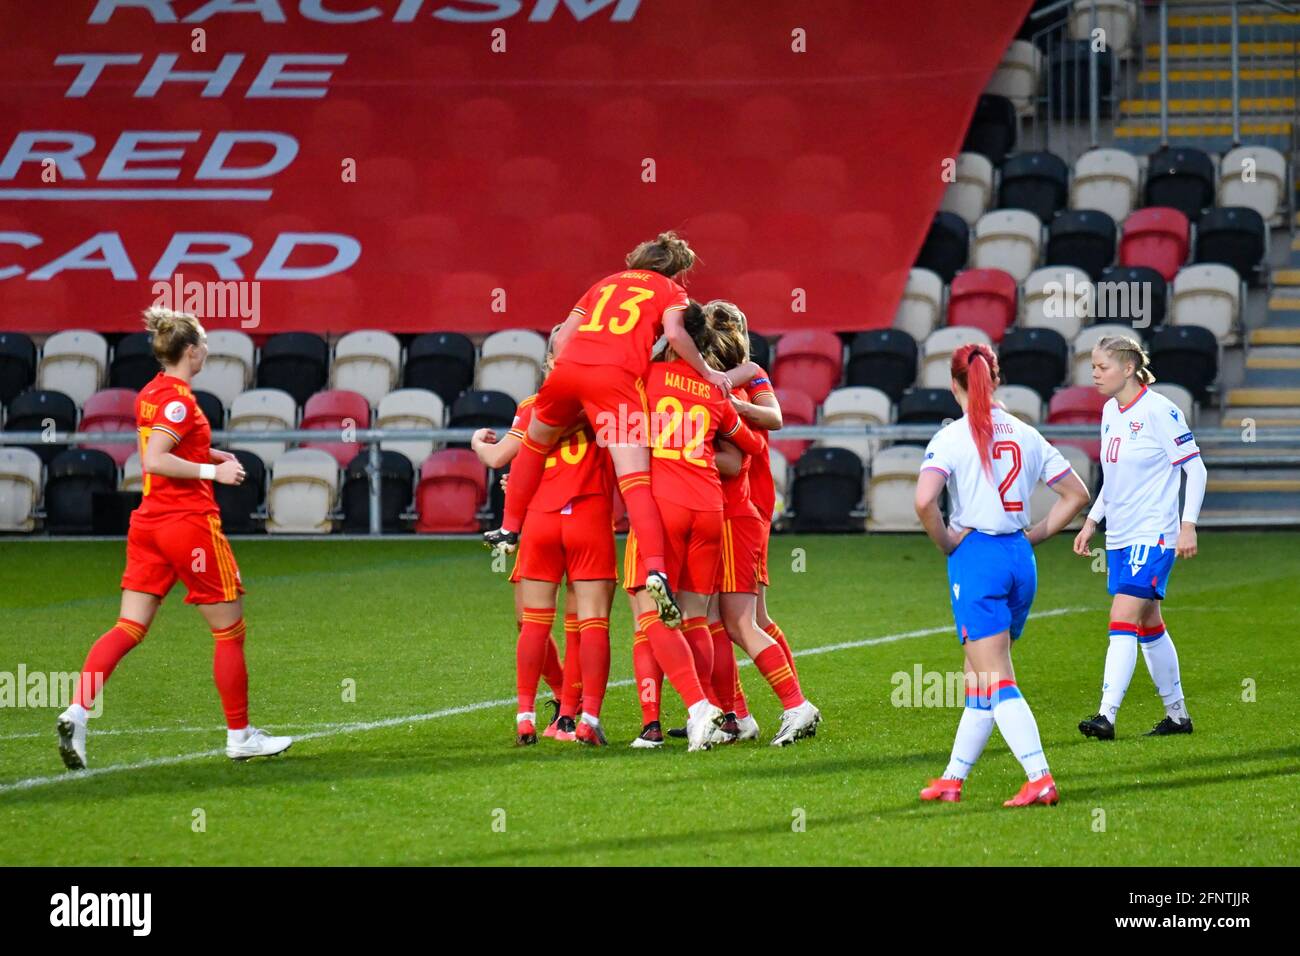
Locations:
(334, 730)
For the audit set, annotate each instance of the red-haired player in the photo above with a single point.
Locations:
(176, 533)
(687, 413)
(568, 533)
(603, 353)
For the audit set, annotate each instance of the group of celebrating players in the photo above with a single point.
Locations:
(683, 436)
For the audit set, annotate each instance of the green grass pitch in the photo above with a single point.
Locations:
(425, 627)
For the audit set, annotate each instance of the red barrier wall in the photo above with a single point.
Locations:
(506, 154)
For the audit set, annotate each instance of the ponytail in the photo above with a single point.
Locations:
(1126, 349)
(975, 368)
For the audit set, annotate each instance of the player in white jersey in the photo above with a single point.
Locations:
(1146, 447)
(990, 461)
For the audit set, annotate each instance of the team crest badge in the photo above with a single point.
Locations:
(1134, 428)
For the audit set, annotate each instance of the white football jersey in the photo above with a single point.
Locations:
(1021, 457)
(1143, 446)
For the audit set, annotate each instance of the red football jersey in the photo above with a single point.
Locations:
(686, 413)
(167, 405)
(622, 318)
(759, 488)
(576, 466)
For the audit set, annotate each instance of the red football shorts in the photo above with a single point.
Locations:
(191, 547)
(762, 554)
(743, 541)
(613, 398)
(692, 546)
(580, 544)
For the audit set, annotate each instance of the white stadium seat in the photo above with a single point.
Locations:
(411, 408)
(132, 474)
(74, 363)
(1118, 18)
(971, 193)
(1042, 498)
(304, 491)
(1083, 345)
(1017, 76)
(1023, 402)
(1208, 295)
(1254, 176)
(511, 362)
(891, 489)
(1180, 397)
(1008, 239)
(1066, 311)
(921, 307)
(856, 405)
(228, 369)
(262, 409)
(20, 488)
(368, 363)
(936, 353)
(1106, 180)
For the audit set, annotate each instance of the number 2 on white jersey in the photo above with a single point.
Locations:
(1000, 449)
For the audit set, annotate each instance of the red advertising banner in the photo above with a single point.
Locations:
(471, 165)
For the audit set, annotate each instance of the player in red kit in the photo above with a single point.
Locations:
(603, 351)
(568, 532)
(176, 533)
(687, 412)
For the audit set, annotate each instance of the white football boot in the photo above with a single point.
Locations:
(701, 722)
(72, 738)
(797, 723)
(255, 743)
(748, 728)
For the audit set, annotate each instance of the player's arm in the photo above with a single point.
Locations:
(1084, 537)
(684, 346)
(159, 460)
(1072, 496)
(929, 486)
(217, 456)
(493, 453)
(763, 412)
(729, 459)
(738, 433)
(1193, 496)
(743, 374)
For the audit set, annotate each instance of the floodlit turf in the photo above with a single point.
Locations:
(424, 627)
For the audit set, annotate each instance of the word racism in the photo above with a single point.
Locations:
(103, 909)
(330, 11)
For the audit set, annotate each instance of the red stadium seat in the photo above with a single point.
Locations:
(815, 183)
(453, 484)
(726, 237)
(420, 244)
(796, 409)
(335, 409)
(767, 126)
(527, 186)
(573, 241)
(1156, 237)
(483, 128)
(112, 410)
(811, 361)
(983, 299)
(1077, 405)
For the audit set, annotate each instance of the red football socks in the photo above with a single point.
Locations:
(773, 630)
(696, 632)
(530, 654)
(725, 674)
(643, 514)
(674, 656)
(105, 654)
(231, 673)
(772, 665)
(649, 677)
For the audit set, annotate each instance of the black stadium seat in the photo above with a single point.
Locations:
(827, 490)
(1234, 236)
(992, 130)
(1181, 178)
(239, 502)
(29, 412)
(1037, 358)
(17, 365)
(760, 351)
(294, 362)
(883, 359)
(1084, 238)
(1185, 355)
(926, 406)
(1038, 182)
(946, 247)
(212, 408)
(396, 490)
(481, 409)
(1131, 295)
(74, 478)
(442, 362)
(133, 362)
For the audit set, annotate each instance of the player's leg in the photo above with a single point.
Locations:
(570, 701)
(1162, 662)
(799, 718)
(674, 655)
(973, 732)
(537, 615)
(725, 672)
(1126, 613)
(648, 678)
(134, 617)
(595, 598)
(632, 466)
